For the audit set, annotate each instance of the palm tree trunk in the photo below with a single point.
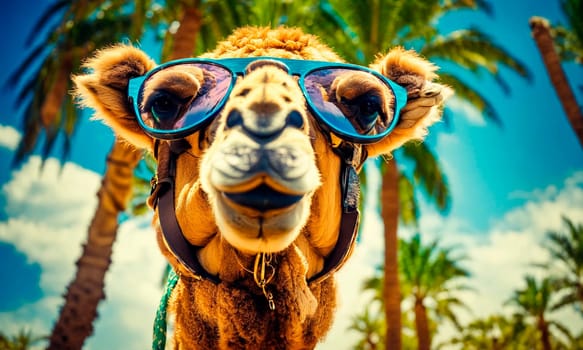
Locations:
(84, 293)
(542, 35)
(545, 335)
(185, 36)
(422, 325)
(370, 342)
(392, 289)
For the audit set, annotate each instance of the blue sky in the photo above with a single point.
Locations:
(509, 185)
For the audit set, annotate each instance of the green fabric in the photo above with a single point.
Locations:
(160, 323)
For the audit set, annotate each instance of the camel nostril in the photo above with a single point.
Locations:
(234, 118)
(295, 119)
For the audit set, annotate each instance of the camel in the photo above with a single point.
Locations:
(258, 144)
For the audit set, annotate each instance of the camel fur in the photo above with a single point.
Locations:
(234, 313)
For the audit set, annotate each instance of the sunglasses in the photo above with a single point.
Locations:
(171, 112)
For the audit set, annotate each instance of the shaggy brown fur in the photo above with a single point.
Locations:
(233, 314)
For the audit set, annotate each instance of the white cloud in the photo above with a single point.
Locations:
(133, 290)
(49, 213)
(462, 107)
(47, 221)
(515, 241)
(9, 137)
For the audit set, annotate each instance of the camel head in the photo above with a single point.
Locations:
(263, 127)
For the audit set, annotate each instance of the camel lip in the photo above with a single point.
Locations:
(263, 198)
(254, 184)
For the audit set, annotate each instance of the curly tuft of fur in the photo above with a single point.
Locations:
(284, 42)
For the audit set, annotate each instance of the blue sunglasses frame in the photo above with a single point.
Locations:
(237, 67)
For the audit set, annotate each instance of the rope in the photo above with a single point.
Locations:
(160, 323)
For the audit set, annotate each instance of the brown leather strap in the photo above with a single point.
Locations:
(175, 240)
(348, 224)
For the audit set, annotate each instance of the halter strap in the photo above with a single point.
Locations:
(162, 197)
(348, 224)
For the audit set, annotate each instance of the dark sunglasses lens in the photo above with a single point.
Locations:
(183, 96)
(352, 103)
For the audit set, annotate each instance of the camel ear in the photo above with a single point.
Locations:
(424, 97)
(104, 88)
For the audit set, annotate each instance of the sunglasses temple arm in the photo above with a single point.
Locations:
(400, 96)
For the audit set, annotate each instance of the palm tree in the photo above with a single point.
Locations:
(392, 295)
(370, 324)
(22, 341)
(569, 42)
(86, 290)
(430, 276)
(534, 300)
(183, 40)
(82, 28)
(567, 251)
(578, 341)
(495, 332)
(374, 26)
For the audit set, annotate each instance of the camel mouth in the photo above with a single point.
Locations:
(263, 198)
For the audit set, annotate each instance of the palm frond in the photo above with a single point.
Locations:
(427, 173)
(23, 71)
(573, 10)
(567, 248)
(32, 128)
(481, 5)
(474, 50)
(58, 55)
(467, 93)
(562, 329)
(565, 300)
(54, 10)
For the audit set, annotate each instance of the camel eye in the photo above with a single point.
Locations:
(364, 110)
(166, 108)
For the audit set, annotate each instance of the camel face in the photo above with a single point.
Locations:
(260, 170)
